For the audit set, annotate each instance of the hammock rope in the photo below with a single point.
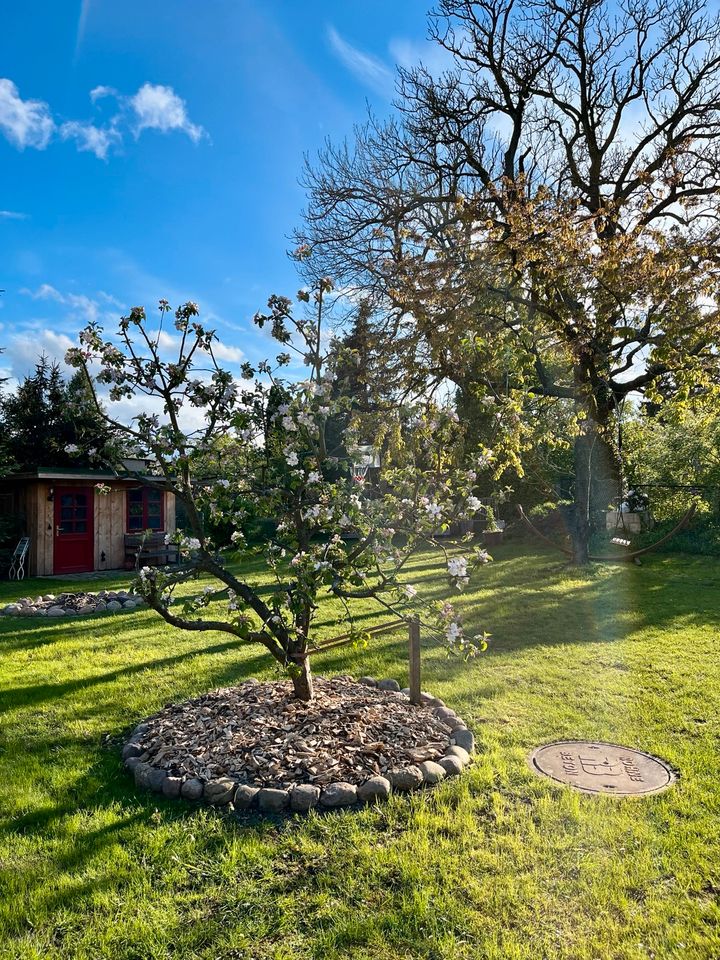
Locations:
(611, 558)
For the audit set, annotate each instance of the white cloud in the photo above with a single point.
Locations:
(24, 349)
(97, 93)
(30, 123)
(12, 215)
(410, 53)
(44, 292)
(109, 298)
(125, 410)
(25, 123)
(368, 69)
(97, 140)
(223, 351)
(158, 107)
(82, 307)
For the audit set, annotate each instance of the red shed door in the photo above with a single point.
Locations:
(74, 530)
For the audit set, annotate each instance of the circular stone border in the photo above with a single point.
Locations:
(301, 798)
(77, 604)
(564, 768)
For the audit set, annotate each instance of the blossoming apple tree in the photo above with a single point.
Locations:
(334, 535)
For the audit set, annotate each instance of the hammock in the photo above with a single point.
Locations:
(617, 558)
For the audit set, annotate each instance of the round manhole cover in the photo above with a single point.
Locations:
(597, 767)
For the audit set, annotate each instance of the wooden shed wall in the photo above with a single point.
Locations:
(110, 525)
(110, 528)
(169, 512)
(41, 528)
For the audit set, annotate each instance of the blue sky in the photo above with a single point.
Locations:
(152, 150)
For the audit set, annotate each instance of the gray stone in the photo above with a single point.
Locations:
(389, 685)
(114, 605)
(245, 796)
(339, 795)
(271, 800)
(455, 723)
(131, 750)
(142, 775)
(88, 608)
(304, 796)
(408, 778)
(368, 681)
(100, 606)
(191, 789)
(12, 609)
(129, 605)
(48, 598)
(462, 755)
(444, 713)
(452, 766)
(131, 763)
(139, 731)
(376, 788)
(219, 792)
(464, 739)
(432, 772)
(156, 778)
(430, 700)
(172, 786)
(449, 718)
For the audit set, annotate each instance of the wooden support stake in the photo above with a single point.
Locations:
(414, 645)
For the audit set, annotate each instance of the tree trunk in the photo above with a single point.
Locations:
(580, 517)
(597, 483)
(302, 679)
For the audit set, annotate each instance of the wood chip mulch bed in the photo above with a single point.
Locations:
(257, 745)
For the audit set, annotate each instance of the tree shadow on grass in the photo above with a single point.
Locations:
(33, 695)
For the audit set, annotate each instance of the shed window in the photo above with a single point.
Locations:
(144, 509)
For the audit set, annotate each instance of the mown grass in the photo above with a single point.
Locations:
(499, 864)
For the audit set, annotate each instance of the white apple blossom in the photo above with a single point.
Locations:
(453, 632)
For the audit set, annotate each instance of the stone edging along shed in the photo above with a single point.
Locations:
(162, 751)
(73, 604)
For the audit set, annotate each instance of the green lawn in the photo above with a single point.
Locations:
(499, 864)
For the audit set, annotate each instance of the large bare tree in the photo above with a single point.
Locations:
(553, 195)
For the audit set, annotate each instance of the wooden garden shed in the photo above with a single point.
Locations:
(80, 520)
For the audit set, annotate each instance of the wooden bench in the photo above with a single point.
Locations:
(149, 549)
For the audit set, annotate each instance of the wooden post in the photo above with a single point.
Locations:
(414, 650)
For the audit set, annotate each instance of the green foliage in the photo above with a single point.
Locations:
(570, 258)
(258, 454)
(675, 447)
(50, 422)
(701, 536)
(497, 865)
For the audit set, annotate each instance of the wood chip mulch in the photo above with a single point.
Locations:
(258, 733)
